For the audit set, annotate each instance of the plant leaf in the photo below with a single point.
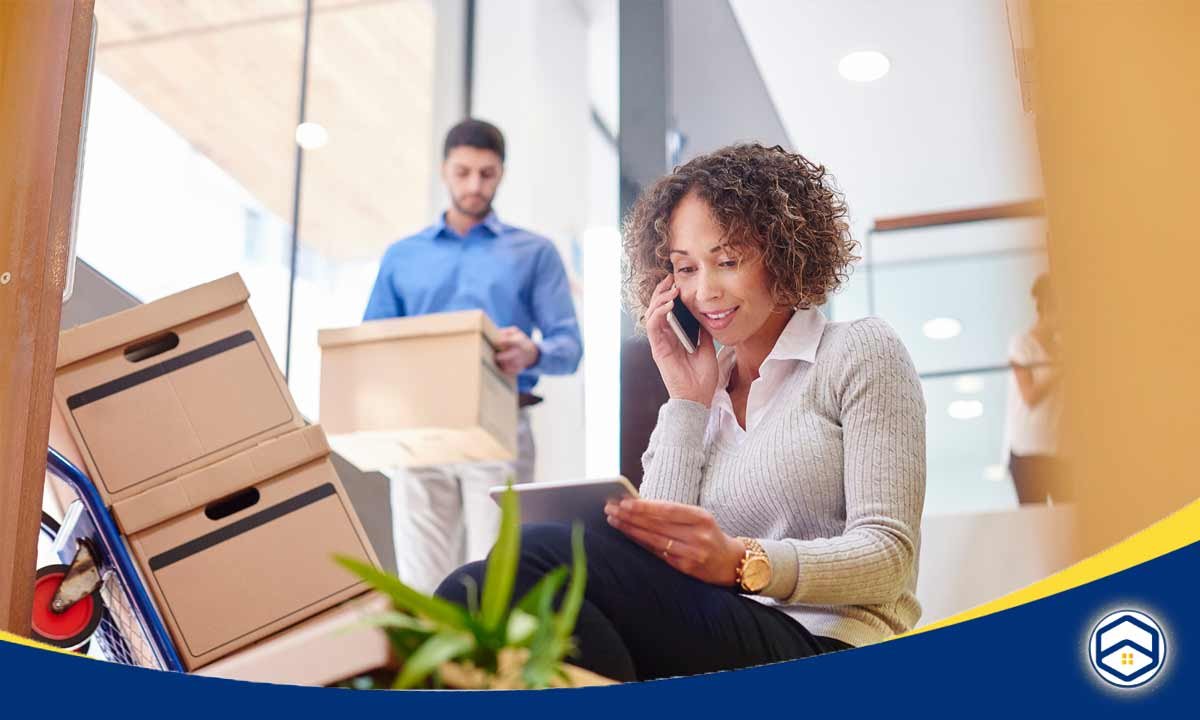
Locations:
(545, 660)
(398, 620)
(502, 564)
(569, 613)
(438, 649)
(405, 642)
(521, 627)
(472, 589)
(561, 674)
(405, 598)
(541, 594)
(552, 641)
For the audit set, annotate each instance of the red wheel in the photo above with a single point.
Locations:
(71, 628)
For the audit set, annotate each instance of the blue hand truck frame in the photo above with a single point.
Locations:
(132, 631)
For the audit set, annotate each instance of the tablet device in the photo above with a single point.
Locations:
(568, 500)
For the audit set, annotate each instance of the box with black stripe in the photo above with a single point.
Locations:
(421, 390)
(162, 389)
(243, 548)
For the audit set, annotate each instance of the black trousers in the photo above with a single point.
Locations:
(641, 619)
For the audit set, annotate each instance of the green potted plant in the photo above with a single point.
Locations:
(492, 643)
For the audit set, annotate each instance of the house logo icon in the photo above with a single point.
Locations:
(1127, 648)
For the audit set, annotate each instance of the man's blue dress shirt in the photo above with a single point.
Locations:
(514, 276)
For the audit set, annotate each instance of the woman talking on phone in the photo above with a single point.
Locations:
(780, 508)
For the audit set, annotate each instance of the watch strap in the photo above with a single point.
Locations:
(754, 549)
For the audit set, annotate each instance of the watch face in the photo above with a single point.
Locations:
(756, 574)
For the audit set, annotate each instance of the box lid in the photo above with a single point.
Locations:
(145, 320)
(213, 482)
(447, 323)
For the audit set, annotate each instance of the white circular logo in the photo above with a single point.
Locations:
(1127, 648)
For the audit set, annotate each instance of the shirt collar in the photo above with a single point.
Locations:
(491, 223)
(798, 341)
(800, 337)
(725, 362)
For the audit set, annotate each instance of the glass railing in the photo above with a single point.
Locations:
(957, 294)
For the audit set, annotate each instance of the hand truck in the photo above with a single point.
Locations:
(95, 593)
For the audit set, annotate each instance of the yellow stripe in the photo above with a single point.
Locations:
(1177, 530)
(18, 640)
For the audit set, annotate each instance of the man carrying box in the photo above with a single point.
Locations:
(469, 260)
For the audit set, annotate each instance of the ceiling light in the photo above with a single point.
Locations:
(311, 135)
(995, 473)
(942, 328)
(965, 409)
(968, 384)
(864, 66)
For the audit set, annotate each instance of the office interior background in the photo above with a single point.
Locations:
(224, 133)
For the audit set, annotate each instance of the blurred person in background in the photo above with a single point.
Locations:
(1035, 405)
(470, 260)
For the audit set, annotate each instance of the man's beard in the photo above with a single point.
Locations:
(487, 208)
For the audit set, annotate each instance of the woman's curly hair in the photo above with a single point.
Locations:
(772, 204)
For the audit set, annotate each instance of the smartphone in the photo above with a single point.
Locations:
(685, 325)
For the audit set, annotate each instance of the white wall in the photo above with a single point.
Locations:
(534, 74)
(969, 559)
(602, 252)
(944, 129)
(711, 65)
(449, 98)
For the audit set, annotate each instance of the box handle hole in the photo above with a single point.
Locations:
(227, 506)
(157, 345)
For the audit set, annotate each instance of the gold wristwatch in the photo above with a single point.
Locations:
(754, 569)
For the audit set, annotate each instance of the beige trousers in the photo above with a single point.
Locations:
(442, 516)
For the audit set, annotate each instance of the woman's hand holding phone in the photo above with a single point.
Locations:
(687, 376)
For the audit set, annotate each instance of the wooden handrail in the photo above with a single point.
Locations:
(1029, 208)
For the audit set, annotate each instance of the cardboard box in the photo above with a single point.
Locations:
(243, 548)
(423, 390)
(336, 645)
(61, 440)
(159, 390)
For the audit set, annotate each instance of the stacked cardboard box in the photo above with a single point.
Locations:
(422, 390)
(229, 503)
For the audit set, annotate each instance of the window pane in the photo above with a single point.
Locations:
(190, 151)
(956, 294)
(986, 300)
(965, 426)
(978, 276)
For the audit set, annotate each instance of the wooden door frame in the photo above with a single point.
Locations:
(44, 48)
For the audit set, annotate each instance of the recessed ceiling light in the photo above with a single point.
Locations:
(311, 135)
(995, 473)
(965, 409)
(968, 384)
(864, 66)
(942, 328)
